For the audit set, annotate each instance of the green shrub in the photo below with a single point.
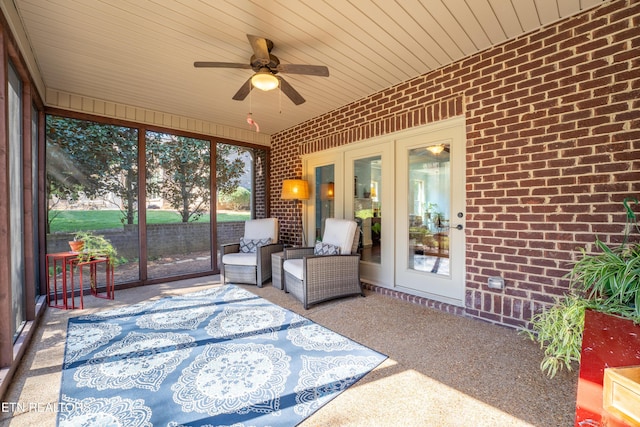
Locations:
(238, 200)
(607, 281)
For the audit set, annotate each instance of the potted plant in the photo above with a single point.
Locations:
(76, 245)
(95, 246)
(604, 290)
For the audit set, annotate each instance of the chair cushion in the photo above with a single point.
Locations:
(294, 266)
(340, 232)
(240, 258)
(322, 248)
(261, 229)
(251, 245)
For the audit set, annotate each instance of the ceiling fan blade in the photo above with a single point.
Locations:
(244, 90)
(260, 48)
(312, 70)
(204, 64)
(290, 92)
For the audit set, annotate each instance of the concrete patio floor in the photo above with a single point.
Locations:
(442, 370)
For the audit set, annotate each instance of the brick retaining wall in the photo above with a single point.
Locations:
(179, 238)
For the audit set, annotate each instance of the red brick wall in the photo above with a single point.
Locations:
(553, 147)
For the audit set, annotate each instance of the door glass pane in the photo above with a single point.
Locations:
(324, 197)
(366, 205)
(429, 208)
(178, 205)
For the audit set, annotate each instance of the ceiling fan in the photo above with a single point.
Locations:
(266, 66)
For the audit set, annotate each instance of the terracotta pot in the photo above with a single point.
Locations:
(608, 341)
(76, 246)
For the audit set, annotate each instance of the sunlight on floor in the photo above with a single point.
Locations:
(418, 401)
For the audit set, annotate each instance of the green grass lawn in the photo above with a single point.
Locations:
(70, 221)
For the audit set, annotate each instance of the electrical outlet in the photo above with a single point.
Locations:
(495, 282)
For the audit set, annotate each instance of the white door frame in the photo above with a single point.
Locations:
(445, 288)
(395, 226)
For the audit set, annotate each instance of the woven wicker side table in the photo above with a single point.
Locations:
(277, 279)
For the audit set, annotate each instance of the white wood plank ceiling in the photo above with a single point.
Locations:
(141, 52)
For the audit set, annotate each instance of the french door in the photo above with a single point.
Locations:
(325, 176)
(369, 196)
(430, 236)
(407, 192)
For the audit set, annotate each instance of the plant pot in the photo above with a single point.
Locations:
(76, 245)
(608, 342)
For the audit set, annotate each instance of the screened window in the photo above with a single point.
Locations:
(169, 229)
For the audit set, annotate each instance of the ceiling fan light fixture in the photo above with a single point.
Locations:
(264, 80)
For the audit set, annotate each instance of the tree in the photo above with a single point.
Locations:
(93, 159)
(183, 167)
(229, 167)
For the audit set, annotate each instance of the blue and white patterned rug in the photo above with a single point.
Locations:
(220, 357)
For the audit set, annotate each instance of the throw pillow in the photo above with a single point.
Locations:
(326, 249)
(251, 245)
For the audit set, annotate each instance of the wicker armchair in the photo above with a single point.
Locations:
(316, 278)
(250, 260)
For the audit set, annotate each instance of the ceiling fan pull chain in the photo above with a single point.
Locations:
(253, 123)
(249, 116)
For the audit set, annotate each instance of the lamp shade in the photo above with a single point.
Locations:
(264, 80)
(295, 189)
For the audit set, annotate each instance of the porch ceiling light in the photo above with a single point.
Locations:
(436, 149)
(264, 80)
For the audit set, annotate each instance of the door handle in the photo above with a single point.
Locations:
(459, 227)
